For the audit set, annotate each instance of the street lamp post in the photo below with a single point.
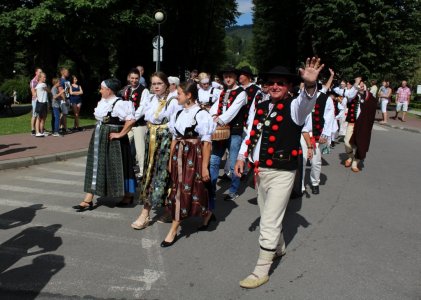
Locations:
(159, 18)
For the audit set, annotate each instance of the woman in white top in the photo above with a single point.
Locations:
(191, 130)
(155, 182)
(41, 105)
(109, 165)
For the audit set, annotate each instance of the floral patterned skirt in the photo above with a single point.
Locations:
(189, 194)
(155, 181)
(109, 165)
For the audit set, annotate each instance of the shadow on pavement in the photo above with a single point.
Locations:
(19, 216)
(16, 150)
(27, 281)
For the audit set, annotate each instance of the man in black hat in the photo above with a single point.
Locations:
(245, 77)
(228, 110)
(272, 146)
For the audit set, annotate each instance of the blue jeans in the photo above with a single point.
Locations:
(56, 112)
(218, 150)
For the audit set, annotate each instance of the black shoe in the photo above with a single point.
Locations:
(81, 208)
(166, 244)
(225, 177)
(123, 203)
(205, 226)
(315, 190)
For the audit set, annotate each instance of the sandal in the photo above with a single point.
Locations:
(141, 222)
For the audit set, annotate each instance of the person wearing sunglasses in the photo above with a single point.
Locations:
(272, 147)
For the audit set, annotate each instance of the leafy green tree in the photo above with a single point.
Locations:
(104, 38)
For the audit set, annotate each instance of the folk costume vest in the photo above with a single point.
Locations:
(317, 115)
(236, 124)
(251, 92)
(110, 120)
(280, 144)
(189, 132)
(135, 96)
(352, 110)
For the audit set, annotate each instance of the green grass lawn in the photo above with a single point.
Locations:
(20, 121)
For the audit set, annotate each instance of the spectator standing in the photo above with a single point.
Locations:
(32, 86)
(385, 93)
(142, 80)
(403, 97)
(374, 88)
(41, 105)
(55, 104)
(63, 90)
(76, 101)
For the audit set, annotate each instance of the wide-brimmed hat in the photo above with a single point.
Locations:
(246, 70)
(228, 69)
(280, 71)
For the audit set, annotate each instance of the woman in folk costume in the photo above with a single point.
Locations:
(155, 182)
(191, 128)
(109, 166)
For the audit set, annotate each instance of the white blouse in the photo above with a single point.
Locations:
(205, 124)
(204, 95)
(168, 110)
(124, 110)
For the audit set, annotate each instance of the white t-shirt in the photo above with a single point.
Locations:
(42, 95)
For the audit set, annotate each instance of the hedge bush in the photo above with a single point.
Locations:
(20, 84)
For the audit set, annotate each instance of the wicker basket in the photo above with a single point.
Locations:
(221, 133)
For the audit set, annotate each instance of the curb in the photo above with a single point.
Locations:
(400, 127)
(42, 159)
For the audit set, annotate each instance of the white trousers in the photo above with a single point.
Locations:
(273, 191)
(316, 164)
(138, 134)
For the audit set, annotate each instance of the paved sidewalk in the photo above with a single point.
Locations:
(22, 150)
(413, 121)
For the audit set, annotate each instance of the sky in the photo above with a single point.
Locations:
(244, 7)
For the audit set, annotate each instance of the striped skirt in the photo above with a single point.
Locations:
(109, 166)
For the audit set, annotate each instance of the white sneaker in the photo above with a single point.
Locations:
(40, 135)
(46, 133)
(56, 134)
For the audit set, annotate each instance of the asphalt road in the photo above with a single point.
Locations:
(359, 239)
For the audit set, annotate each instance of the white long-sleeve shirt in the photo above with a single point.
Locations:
(301, 107)
(144, 100)
(229, 113)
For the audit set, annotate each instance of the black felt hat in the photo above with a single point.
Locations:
(228, 69)
(280, 71)
(246, 70)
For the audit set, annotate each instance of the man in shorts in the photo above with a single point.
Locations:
(403, 96)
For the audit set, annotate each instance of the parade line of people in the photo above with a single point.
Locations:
(182, 131)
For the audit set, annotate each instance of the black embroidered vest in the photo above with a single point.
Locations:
(318, 120)
(189, 132)
(280, 144)
(236, 124)
(352, 110)
(251, 92)
(135, 96)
